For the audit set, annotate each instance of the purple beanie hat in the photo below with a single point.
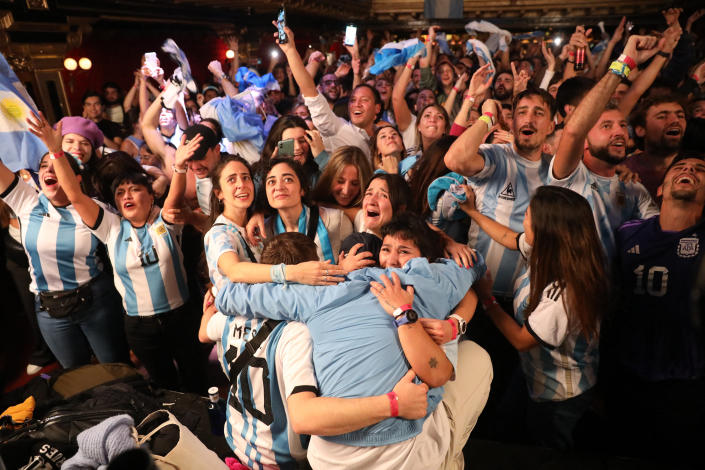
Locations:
(84, 128)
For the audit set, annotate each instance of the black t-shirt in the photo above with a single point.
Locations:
(110, 129)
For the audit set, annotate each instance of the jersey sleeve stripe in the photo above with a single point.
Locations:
(536, 336)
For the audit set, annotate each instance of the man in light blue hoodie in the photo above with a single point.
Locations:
(361, 350)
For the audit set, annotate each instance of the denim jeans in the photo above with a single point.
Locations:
(97, 326)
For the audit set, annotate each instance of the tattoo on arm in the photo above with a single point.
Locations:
(433, 363)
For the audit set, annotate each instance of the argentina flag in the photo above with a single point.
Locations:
(395, 53)
(21, 149)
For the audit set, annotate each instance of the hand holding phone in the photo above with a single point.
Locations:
(285, 148)
(281, 24)
(151, 64)
(350, 35)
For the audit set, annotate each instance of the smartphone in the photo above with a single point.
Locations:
(281, 24)
(151, 62)
(350, 35)
(285, 148)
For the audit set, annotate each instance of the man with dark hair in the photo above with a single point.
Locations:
(362, 350)
(504, 176)
(279, 375)
(204, 159)
(503, 86)
(364, 106)
(93, 110)
(113, 103)
(329, 87)
(660, 122)
(597, 132)
(655, 344)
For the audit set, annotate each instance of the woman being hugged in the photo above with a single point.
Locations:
(286, 190)
(228, 254)
(145, 252)
(559, 302)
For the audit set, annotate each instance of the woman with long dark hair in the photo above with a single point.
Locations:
(559, 302)
(292, 127)
(229, 255)
(286, 188)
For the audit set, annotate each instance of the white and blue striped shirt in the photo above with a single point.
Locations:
(223, 237)
(564, 363)
(147, 263)
(503, 190)
(60, 248)
(613, 202)
(257, 426)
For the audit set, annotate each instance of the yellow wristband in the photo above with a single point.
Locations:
(620, 68)
(487, 120)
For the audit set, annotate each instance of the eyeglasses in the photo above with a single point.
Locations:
(329, 82)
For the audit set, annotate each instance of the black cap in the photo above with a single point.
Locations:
(209, 140)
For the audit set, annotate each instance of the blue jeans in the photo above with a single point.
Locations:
(96, 326)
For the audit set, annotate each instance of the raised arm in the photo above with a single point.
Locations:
(570, 148)
(402, 113)
(175, 198)
(301, 75)
(86, 207)
(479, 84)
(132, 93)
(463, 157)
(216, 69)
(602, 65)
(426, 358)
(153, 137)
(498, 232)
(666, 45)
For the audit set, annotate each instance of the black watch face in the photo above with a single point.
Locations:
(412, 316)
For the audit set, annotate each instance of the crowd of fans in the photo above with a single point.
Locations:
(369, 251)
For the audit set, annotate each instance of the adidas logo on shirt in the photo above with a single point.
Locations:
(634, 250)
(508, 193)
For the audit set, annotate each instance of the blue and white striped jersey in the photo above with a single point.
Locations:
(613, 202)
(564, 363)
(257, 427)
(147, 263)
(225, 236)
(60, 248)
(502, 192)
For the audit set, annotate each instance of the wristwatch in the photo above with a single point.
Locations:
(407, 316)
(462, 324)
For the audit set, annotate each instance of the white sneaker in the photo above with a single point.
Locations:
(33, 369)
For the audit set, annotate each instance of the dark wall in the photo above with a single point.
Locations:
(116, 53)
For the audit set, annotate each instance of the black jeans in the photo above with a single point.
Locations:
(161, 339)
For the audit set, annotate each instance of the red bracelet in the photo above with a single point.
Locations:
(487, 303)
(627, 60)
(455, 329)
(54, 156)
(456, 90)
(409, 66)
(393, 404)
